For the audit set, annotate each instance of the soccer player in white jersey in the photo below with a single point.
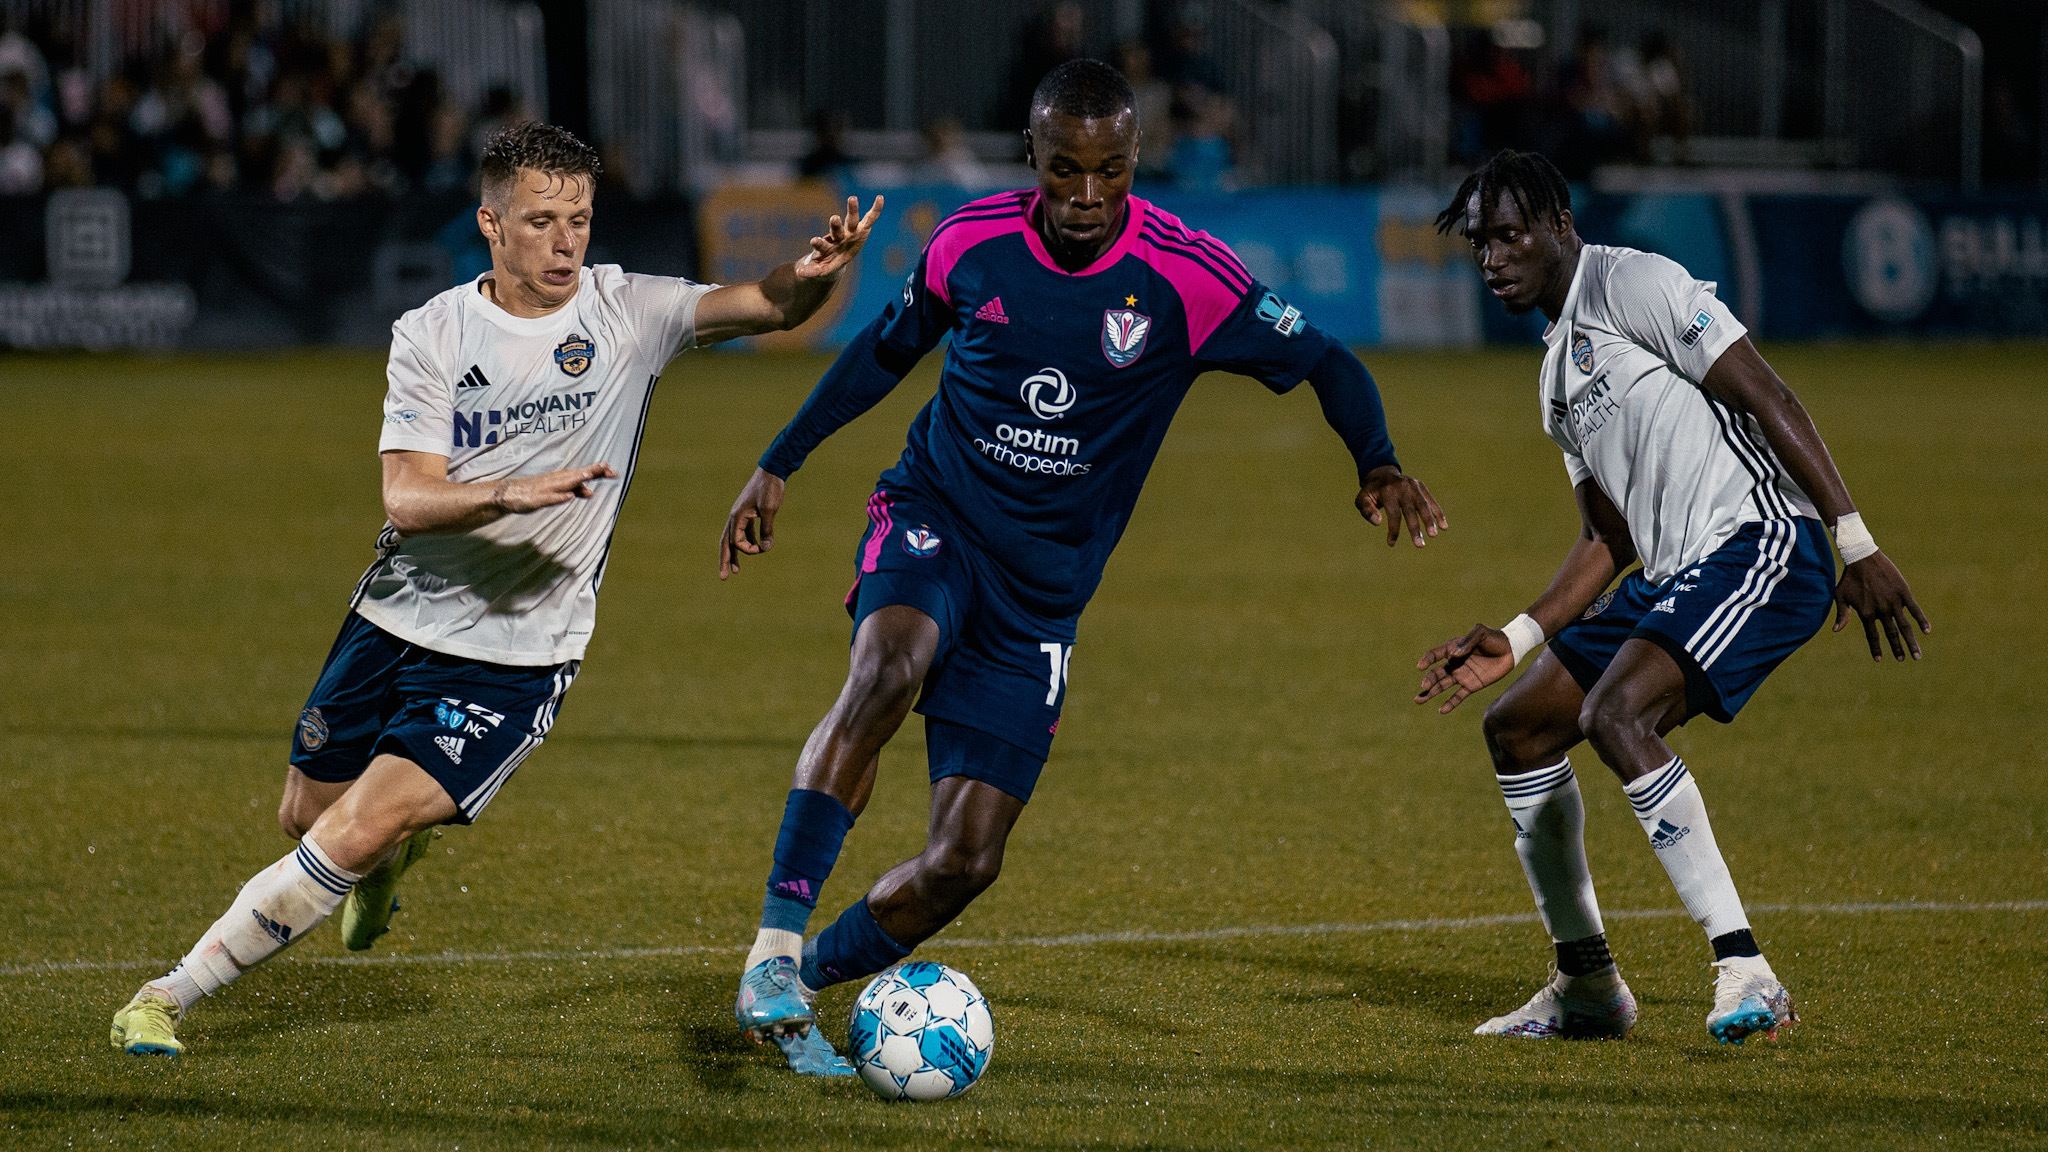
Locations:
(513, 417)
(1688, 453)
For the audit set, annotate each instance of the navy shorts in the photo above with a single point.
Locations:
(1728, 621)
(468, 723)
(992, 698)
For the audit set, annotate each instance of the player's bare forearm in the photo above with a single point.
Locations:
(1744, 381)
(420, 500)
(790, 293)
(1872, 587)
(1603, 549)
(1457, 668)
(795, 298)
(1586, 572)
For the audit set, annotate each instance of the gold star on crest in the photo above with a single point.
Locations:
(1130, 301)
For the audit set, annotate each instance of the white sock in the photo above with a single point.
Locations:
(277, 907)
(1550, 837)
(1668, 804)
(773, 942)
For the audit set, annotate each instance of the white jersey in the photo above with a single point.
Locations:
(504, 396)
(1621, 396)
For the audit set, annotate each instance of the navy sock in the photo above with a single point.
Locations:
(1736, 943)
(814, 825)
(1583, 957)
(853, 947)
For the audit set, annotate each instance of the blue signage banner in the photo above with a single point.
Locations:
(1889, 265)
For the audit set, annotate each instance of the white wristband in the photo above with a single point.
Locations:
(1853, 539)
(1523, 634)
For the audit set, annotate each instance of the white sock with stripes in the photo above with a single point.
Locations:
(1668, 804)
(277, 907)
(1550, 837)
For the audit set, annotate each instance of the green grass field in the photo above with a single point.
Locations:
(1239, 752)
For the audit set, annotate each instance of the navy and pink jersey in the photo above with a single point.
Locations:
(1059, 386)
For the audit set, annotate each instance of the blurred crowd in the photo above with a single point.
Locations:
(1190, 125)
(1604, 103)
(250, 109)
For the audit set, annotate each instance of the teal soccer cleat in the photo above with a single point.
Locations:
(771, 1003)
(810, 1054)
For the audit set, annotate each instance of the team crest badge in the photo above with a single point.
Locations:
(920, 541)
(1123, 335)
(1598, 606)
(1582, 353)
(312, 729)
(575, 354)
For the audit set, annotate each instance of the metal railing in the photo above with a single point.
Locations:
(667, 92)
(1395, 91)
(1882, 84)
(1897, 75)
(1280, 70)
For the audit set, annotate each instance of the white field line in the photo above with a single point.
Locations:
(1077, 940)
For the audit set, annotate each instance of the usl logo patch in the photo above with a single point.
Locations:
(1284, 317)
(312, 730)
(1582, 354)
(920, 541)
(1123, 335)
(1700, 323)
(575, 354)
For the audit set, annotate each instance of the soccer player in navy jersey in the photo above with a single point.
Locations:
(1079, 316)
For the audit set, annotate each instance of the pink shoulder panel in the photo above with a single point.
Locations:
(1210, 279)
(978, 222)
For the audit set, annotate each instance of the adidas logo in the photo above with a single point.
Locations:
(798, 888)
(451, 746)
(1667, 834)
(992, 311)
(474, 378)
(1521, 833)
(282, 933)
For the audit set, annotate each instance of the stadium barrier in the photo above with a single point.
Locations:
(85, 268)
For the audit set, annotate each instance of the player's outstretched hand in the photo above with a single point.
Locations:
(1393, 499)
(750, 527)
(529, 493)
(1878, 593)
(841, 242)
(1467, 664)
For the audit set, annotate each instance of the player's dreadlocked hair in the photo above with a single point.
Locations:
(1535, 183)
(536, 146)
(1088, 89)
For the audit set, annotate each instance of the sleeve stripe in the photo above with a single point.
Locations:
(1240, 284)
(1206, 242)
(1226, 268)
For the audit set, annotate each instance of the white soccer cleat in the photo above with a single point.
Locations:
(1595, 1007)
(1748, 999)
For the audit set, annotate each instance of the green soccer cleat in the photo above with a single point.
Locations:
(366, 912)
(148, 1026)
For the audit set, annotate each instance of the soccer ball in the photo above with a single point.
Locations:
(921, 1031)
